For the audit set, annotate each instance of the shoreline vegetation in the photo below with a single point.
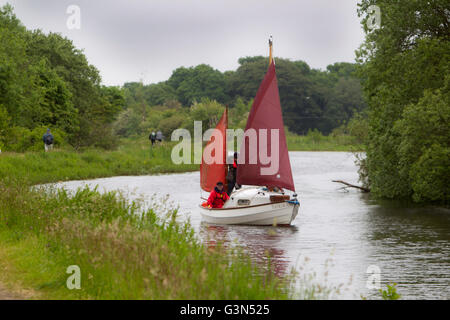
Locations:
(122, 252)
(132, 157)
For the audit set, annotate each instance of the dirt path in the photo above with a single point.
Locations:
(7, 295)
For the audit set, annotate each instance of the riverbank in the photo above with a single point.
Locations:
(121, 254)
(132, 157)
(315, 141)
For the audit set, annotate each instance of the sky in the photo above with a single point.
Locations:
(145, 40)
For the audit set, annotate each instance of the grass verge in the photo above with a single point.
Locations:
(131, 158)
(121, 252)
(315, 141)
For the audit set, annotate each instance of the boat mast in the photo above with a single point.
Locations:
(270, 50)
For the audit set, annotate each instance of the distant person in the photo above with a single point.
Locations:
(217, 197)
(152, 137)
(231, 175)
(48, 140)
(159, 136)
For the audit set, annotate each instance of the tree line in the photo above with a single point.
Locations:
(45, 81)
(310, 99)
(405, 70)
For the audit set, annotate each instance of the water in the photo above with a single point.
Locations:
(408, 244)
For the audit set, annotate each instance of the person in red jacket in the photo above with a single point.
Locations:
(218, 196)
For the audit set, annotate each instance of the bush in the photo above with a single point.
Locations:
(315, 135)
(127, 123)
(390, 293)
(4, 125)
(425, 147)
(430, 175)
(109, 140)
(170, 124)
(21, 139)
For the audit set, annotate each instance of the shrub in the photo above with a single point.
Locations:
(21, 139)
(170, 124)
(425, 147)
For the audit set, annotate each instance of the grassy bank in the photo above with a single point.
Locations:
(133, 157)
(315, 141)
(121, 254)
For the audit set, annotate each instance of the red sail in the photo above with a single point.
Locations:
(266, 114)
(212, 173)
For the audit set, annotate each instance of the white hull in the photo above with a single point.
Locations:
(263, 213)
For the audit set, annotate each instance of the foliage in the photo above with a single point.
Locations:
(208, 111)
(45, 81)
(316, 141)
(310, 99)
(390, 293)
(133, 157)
(168, 125)
(356, 127)
(20, 139)
(202, 81)
(4, 125)
(125, 252)
(425, 146)
(404, 67)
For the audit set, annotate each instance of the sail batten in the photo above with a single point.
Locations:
(266, 114)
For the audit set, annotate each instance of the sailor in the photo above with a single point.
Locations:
(231, 175)
(217, 197)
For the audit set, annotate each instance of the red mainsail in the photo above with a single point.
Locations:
(265, 114)
(212, 173)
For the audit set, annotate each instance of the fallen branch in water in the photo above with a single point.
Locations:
(349, 185)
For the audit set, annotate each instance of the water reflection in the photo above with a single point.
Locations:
(411, 245)
(261, 243)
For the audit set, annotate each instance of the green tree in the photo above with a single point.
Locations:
(159, 93)
(208, 111)
(15, 78)
(402, 65)
(424, 150)
(193, 84)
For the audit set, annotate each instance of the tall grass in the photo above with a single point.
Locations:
(316, 141)
(122, 253)
(133, 157)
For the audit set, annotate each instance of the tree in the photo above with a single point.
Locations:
(159, 93)
(4, 126)
(310, 99)
(208, 111)
(424, 150)
(193, 84)
(402, 63)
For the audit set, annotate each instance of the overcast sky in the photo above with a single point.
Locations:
(132, 40)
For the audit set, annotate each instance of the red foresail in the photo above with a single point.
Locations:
(264, 118)
(213, 167)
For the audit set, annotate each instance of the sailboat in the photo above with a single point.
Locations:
(263, 198)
